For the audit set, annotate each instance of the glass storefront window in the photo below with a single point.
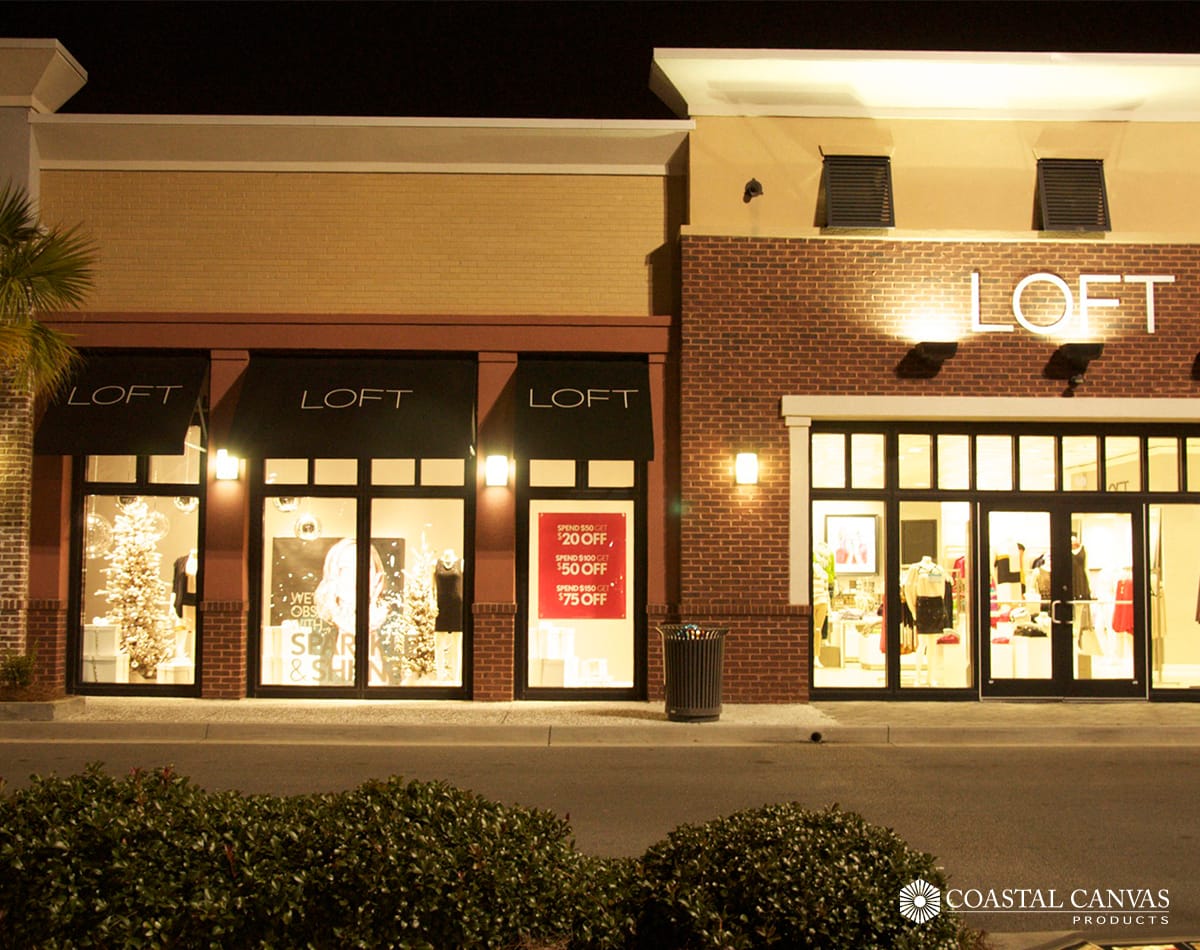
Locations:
(416, 598)
(916, 454)
(1163, 463)
(866, 460)
(443, 472)
(581, 580)
(335, 471)
(993, 462)
(1036, 462)
(1174, 634)
(138, 598)
(111, 468)
(954, 462)
(1193, 465)
(610, 473)
(848, 583)
(551, 473)
(179, 469)
(1080, 463)
(935, 572)
(393, 471)
(309, 586)
(285, 471)
(1122, 463)
(1018, 636)
(829, 460)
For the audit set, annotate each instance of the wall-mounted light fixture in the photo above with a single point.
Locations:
(227, 467)
(1070, 362)
(924, 360)
(754, 189)
(745, 468)
(495, 470)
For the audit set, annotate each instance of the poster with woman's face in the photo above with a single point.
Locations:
(316, 579)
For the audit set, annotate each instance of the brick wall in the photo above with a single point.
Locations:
(16, 458)
(762, 318)
(223, 663)
(494, 632)
(48, 638)
(370, 243)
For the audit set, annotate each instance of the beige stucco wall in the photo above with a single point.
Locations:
(950, 179)
(372, 243)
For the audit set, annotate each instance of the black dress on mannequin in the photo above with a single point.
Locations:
(448, 580)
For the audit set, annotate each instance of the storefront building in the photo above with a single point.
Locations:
(946, 303)
(369, 407)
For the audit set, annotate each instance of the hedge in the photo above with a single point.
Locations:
(152, 860)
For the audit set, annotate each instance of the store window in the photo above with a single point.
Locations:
(363, 579)
(849, 604)
(1174, 630)
(140, 577)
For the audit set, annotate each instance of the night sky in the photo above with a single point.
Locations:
(517, 59)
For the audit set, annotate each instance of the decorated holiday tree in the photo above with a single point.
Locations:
(138, 597)
(420, 613)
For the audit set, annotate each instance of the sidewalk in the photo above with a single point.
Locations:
(431, 722)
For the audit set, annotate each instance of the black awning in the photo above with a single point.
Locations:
(350, 407)
(584, 409)
(124, 405)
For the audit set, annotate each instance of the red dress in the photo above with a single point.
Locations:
(1122, 618)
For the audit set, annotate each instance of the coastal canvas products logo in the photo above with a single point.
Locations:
(920, 901)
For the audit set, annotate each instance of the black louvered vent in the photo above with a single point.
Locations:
(858, 191)
(1071, 195)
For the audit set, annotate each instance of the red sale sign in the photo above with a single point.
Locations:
(581, 565)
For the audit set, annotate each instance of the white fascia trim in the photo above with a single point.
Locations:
(1016, 409)
(365, 168)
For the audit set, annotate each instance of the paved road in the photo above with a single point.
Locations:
(1062, 818)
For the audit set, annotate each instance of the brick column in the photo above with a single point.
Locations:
(494, 633)
(224, 665)
(16, 460)
(47, 637)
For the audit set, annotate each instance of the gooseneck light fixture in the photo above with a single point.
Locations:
(924, 360)
(754, 189)
(1070, 362)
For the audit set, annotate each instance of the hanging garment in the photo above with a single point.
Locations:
(1122, 618)
(448, 582)
(1081, 589)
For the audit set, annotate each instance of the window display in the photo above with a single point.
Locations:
(581, 617)
(140, 578)
(411, 590)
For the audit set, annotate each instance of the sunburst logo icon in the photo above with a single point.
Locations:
(920, 901)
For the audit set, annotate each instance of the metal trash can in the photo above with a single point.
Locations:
(692, 660)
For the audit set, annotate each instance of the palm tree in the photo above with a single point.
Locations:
(41, 269)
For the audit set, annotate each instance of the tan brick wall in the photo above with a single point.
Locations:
(763, 318)
(370, 243)
(16, 457)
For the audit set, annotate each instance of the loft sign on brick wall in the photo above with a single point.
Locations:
(1092, 293)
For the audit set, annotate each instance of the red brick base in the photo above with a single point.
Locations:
(47, 638)
(223, 664)
(494, 634)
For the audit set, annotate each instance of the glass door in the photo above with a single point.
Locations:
(1064, 613)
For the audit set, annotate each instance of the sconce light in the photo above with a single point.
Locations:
(753, 190)
(745, 468)
(495, 470)
(1070, 362)
(924, 360)
(227, 467)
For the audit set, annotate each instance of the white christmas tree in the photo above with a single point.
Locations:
(420, 612)
(138, 597)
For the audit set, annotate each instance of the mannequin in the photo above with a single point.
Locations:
(822, 581)
(448, 582)
(928, 593)
(183, 598)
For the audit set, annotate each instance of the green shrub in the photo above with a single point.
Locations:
(783, 876)
(150, 860)
(16, 669)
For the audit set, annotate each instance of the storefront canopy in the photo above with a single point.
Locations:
(124, 405)
(347, 407)
(584, 409)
